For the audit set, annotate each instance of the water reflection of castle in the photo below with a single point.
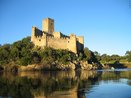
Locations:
(68, 81)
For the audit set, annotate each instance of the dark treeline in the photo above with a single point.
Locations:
(23, 52)
(104, 58)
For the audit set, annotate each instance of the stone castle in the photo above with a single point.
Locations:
(49, 38)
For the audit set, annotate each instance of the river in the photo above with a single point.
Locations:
(67, 84)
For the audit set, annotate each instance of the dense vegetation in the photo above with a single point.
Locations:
(19, 52)
(23, 52)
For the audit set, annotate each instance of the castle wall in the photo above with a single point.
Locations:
(57, 43)
(41, 41)
(72, 43)
(57, 34)
(80, 43)
(63, 43)
(38, 37)
(35, 32)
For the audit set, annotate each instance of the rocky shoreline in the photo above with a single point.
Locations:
(81, 65)
(55, 66)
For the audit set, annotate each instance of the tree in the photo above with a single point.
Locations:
(87, 53)
(4, 53)
(115, 57)
(89, 56)
(128, 55)
(98, 56)
(105, 58)
(14, 53)
(35, 58)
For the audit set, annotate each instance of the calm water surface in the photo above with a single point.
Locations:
(80, 84)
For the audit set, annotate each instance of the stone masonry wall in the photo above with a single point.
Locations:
(57, 43)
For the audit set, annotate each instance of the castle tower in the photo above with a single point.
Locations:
(72, 44)
(80, 43)
(33, 34)
(48, 25)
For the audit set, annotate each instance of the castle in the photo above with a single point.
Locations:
(49, 38)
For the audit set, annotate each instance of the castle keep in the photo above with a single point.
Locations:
(49, 38)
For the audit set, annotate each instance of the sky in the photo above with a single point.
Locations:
(105, 24)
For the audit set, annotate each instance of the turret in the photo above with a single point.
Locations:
(48, 25)
(33, 34)
(72, 43)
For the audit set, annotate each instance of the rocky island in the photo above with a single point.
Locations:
(47, 50)
(50, 50)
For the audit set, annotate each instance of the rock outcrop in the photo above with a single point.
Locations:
(70, 66)
(75, 65)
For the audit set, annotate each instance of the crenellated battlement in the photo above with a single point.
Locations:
(47, 37)
(38, 37)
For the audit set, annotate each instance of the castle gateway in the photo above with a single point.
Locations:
(49, 38)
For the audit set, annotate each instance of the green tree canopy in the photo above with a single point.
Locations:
(128, 55)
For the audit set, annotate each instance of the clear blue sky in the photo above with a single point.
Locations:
(105, 24)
